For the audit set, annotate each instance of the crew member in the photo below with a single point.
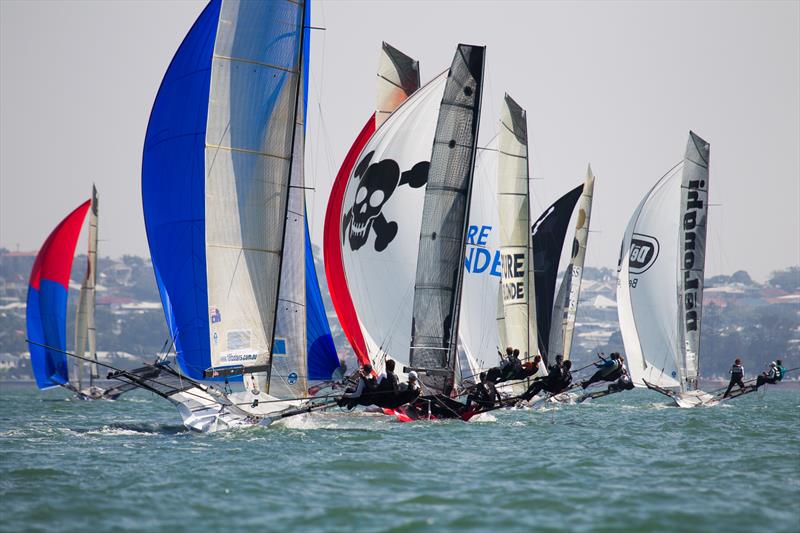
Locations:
(366, 383)
(485, 394)
(772, 376)
(609, 370)
(558, 380)
(389, 381)
(624, 382)
(737, 377)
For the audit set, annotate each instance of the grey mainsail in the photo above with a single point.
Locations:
(692, 254)
(445, 214)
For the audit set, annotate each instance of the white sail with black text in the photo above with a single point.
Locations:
(660, 280)
(513, 197)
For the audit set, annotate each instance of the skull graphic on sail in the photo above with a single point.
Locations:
(377, 183)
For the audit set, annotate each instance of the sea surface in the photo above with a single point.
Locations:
(627, 462)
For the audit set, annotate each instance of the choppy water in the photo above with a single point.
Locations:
(625, 462)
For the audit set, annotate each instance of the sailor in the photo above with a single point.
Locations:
(366, 383)
(513, 366)
(558, 379)
(609, 370)
(388, 381)
(485, 394)
(531, 369)
(624, 382)
(772, 376)
(737, 377)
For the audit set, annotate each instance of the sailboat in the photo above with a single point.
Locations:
(660, 280)
(46, 311)
(223, 199)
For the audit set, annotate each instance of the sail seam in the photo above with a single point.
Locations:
(247, 151)
(254, 62)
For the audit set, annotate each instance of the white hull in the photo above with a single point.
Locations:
(695, 398)
(210, 411)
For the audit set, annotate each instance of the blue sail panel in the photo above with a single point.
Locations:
(322, 357)
(173, 191)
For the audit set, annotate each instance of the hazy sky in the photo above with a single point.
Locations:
(615, 84)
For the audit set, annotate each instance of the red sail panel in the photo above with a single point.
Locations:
(54, 261)
(332, 243)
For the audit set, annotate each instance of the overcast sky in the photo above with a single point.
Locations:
(615, 84)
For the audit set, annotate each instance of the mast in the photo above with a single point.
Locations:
(566, 307)
(445, 219)
(85, 332)
(692, 255)
(513, 198)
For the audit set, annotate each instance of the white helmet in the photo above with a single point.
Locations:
(412, 375)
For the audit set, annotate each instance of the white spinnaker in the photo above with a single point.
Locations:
(85, 332)
(381, 219)
(513, 193)
(566, 307)
(249, 133)
(647, 286)
(481, 283)
(398, 78)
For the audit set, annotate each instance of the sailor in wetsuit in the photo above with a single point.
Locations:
(388, 381)
(558, 379)
(485, 394)
(773, 375)
(737, 377)
(624, 382)
(366, 383)
(609, 370)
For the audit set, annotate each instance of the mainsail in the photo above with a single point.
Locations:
(445, 218)
(85, 331)
(215, 182)
(513, 193)
(660, 275)
(548, 234)
(46, 312)
(398, 78)
(565, 309)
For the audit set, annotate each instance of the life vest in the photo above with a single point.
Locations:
(779, 372)
(737, 370)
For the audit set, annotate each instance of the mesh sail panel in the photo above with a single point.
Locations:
(437, 288)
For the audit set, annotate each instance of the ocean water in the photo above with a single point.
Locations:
(624, 463)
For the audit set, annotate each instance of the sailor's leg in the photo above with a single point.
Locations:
(731, 383)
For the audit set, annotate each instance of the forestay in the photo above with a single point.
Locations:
(445, 217)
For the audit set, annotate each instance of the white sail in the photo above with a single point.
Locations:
(566, 306)
(381, 219)
(85, 332)
(513, 193)
(647, 302)
(661, 276)
(248, 151)
(480, 339)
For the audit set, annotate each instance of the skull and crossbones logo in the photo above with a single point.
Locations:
(377, 183)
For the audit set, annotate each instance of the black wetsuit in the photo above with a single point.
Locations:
(556, 381)
(610, 370)
(623, 383)
(737, 378)
(485, 395)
